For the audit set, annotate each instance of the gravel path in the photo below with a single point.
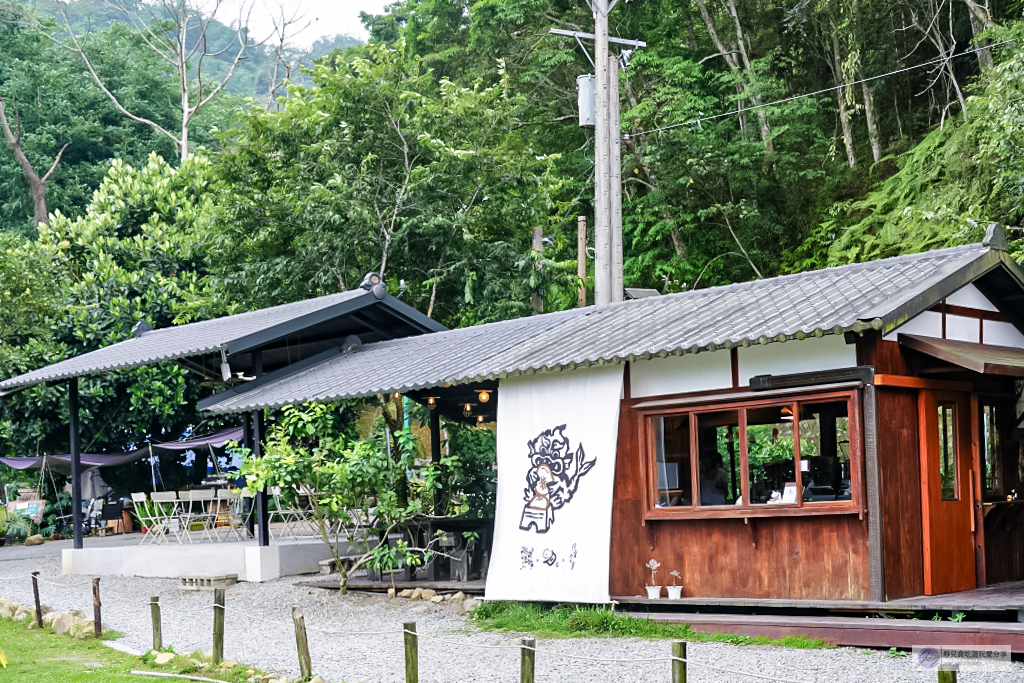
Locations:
(268, 642)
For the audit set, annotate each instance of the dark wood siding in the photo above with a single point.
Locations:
(816, 557)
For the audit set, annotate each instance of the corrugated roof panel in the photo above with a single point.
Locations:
(179, 341)
(812, 303)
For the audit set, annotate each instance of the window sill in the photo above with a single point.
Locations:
(749, 513)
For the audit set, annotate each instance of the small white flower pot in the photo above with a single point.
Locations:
(653, 592)
(674, 592)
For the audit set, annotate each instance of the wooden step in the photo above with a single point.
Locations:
(852, 631)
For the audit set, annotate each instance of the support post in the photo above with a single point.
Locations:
(158, 632)
(218, 626)
(602, 158)
(538, 246)
(262, 511)
(302, 644)
(527, 660)
(76, 463)
(581, 259)
(412, 654)
(679, 661)
(948, 675)
(614, 180)
(35, 596)
(435, 457)
(97, 616)
(250, 504)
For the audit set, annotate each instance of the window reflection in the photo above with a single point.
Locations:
(991, 457)
(770, 455)
(825, 451)
(672, 447)
(719, 459)
(948, 451)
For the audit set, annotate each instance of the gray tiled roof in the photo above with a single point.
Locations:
(874, 295)
(180, 341)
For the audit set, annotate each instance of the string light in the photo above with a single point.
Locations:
(467, 410)
(397, 396)
(480, 419)
(431, 402)
(485, 395)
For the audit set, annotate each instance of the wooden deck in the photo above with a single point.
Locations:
(999, 598)
(856, 632)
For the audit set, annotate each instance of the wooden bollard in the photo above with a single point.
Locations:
(97, 617)
(158, 632)
(527, 660)
(679, 661)
(301, 642)
(412, 654)
(218, 625)
(948, 675)
(35, 595)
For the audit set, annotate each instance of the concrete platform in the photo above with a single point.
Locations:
(249, 561)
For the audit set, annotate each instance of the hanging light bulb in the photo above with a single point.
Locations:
(397, 396)
(479, 419)
(467, 410)
(484, 394)
(431, 402)
(787, 414)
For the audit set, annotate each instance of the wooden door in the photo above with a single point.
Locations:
(946, 491)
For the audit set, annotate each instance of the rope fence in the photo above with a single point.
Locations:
(677, 659)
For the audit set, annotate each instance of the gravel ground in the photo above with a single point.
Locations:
(268, 642)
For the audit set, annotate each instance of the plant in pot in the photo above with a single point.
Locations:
(13, 525)
(675, 592)
(653, 590)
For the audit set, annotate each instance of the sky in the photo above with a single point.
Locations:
(325, 17)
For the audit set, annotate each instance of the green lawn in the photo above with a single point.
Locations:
(43, 656)
(562, 621)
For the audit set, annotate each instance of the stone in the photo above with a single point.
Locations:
(228, 664)
(406, 593)
(48, 618)
(458, 597)
(317, 679)
(45, 609)
(62, 623)
(436, 599)
(416, 594)
(164, 658)
(32, 625)
(36, 539)
(428, 593)
(391, 594)
(82, 629)
(468, 605)
(78, 614)
(21, 615)
(9, 609)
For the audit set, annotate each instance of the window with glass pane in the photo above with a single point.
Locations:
(770, 455)
(718, 457)
(991, 458)
(672, 451)
(948, 452)
(825, 451)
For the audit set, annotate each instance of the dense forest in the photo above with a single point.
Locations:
(759, 137)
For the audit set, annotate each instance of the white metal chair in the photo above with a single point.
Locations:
(166, 513)
(153, 526)
(234, 522)
(196, 510)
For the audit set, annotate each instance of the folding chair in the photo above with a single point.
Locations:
(166, 513)
(195, 511)
(233, 500)
(113, 512)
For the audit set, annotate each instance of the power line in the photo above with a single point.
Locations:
(937, 60)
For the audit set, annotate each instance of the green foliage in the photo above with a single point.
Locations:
(579, 621)
(14, 524)
(471, 481)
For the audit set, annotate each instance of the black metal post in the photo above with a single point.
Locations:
(76, 463)
(262, 512)
(435, 457)
(250, 512)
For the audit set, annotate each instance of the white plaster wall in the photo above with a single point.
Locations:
(927, 324)
(960, 328)
(680, 374)
(970, 297)
(1003, 334)
(830, 352)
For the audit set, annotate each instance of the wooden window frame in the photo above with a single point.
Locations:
(747, 510)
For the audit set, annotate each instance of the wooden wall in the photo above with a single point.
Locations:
(1004, 548)
(816, 557)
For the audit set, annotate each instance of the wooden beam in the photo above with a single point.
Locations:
(907, 382)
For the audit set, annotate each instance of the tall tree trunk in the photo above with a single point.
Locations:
(981, 20)
(844, 114)
(36, 185)
(869, 114)
(762, 115)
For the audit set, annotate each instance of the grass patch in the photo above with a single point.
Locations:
(44, 656)
(577, 621)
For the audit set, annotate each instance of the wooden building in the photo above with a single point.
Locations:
(849, 434)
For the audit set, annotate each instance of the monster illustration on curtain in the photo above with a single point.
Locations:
(553, 478)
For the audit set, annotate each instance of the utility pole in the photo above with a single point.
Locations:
(538, 246)
(608, 259)
(581, 258)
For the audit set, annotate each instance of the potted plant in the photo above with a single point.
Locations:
(13, 525)
(674, 592)
(653, 590)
